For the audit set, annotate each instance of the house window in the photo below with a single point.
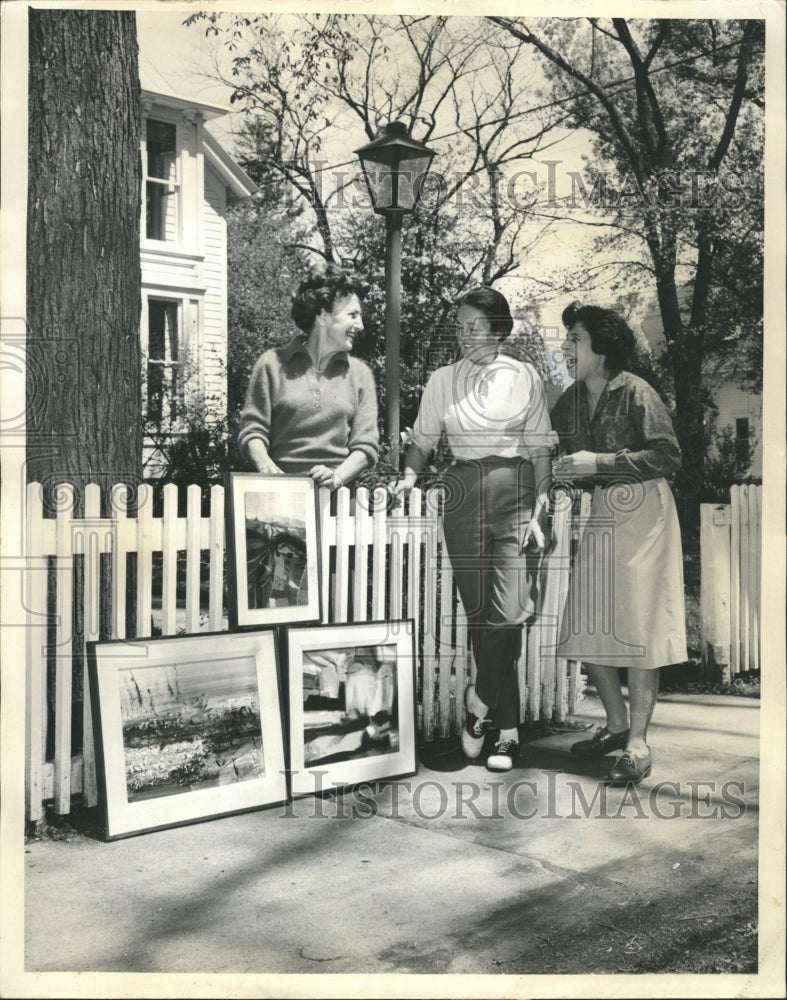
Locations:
(742, 450)
(163, 362)
(161, 181)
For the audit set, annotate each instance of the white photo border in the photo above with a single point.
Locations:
(340, 774)
(237, 486)
(107, 659)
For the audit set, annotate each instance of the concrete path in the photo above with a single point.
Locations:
(455, 870)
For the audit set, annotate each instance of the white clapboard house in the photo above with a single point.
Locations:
(189, 180)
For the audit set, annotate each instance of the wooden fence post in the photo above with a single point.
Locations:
(735, 581)
(145, 544)
(379, 543)
(345, 537)
(743, 571)
(555, 572)
(753, 583)
(91, 530)
(361, 567)
(36, 608)
(430, 675)
(193, 556)
(123, 543)
(64, 641)
(715, 588)
(216, 541)
(414, 593)
(169, 562)
(327, 538)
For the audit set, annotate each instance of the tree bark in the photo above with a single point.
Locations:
(83, 260)
(689, 423)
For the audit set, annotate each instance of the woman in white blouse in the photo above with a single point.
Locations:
(493, 410)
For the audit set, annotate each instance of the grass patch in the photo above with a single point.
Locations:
(689, 678)
(79, 824)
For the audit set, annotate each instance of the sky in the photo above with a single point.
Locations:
(181, 57)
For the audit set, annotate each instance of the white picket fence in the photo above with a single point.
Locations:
(731, 566)
(382, 564)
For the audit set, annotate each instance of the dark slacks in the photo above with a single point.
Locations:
(489, 503)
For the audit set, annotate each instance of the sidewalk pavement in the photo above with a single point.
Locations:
(449, 871)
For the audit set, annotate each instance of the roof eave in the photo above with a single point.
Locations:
(234, 176)
(208, 111)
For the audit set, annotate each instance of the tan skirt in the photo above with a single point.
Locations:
(625, 605)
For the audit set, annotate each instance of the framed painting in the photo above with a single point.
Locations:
(187, 728)
(274, 564)
(351, 704)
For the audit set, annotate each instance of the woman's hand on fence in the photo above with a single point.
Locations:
(324, 476)
(403, 487)
(580, 464)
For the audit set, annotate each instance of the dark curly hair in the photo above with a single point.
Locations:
(319, 291)
(610, 334)
(493, 305)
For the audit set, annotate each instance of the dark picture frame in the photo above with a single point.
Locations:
(351, 704)
(187, 728)
(273, 549)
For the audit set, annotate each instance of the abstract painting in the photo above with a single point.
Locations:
(351, 703)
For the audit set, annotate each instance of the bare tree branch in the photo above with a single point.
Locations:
(744, 57)
(649, 112)
(598, 92)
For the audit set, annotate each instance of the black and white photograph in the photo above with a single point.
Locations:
(393, 499)
(274, 549)
(351, 704)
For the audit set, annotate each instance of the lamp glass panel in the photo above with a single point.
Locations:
(409, 180)
(379, 179)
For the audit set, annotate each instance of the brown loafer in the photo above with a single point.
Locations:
(629, 769)
(602, 742)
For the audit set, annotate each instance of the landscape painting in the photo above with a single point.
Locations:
(352, 703)
(187, 728)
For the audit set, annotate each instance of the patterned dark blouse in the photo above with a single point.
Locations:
(630, 432)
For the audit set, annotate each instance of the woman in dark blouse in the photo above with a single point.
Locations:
(625, 605)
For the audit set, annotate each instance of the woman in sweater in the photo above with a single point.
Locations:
(493, 410)
(311, 408)
(625, 604)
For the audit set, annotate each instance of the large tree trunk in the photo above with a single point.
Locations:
(686, 356)
(83, 270)
(685, 349)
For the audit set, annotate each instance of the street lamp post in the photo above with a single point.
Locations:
(393, 312)
(394, 166)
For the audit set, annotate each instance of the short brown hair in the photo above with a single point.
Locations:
(493, 305)
(319, 291)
